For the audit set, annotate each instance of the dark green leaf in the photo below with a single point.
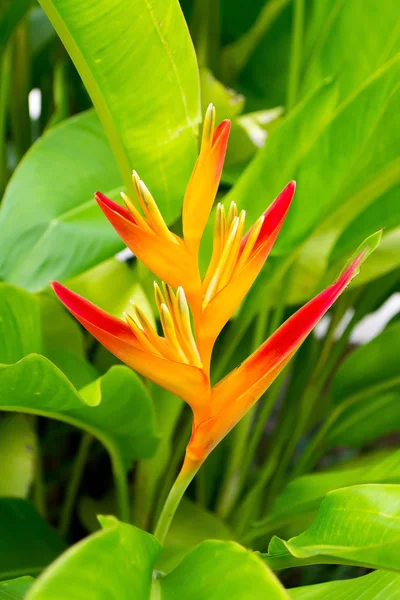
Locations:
(15, 589)
(27, 542)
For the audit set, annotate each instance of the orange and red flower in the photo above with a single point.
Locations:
(179, 359)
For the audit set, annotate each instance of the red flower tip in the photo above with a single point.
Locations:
(107, 205)
(222, 131)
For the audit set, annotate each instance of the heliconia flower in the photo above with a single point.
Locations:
(179, 360)
(232, 397)
(171, 360)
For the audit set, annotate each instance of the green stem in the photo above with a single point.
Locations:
(74, 483)
(121, 486)
(178, 454)
(172, 502)
(267, 405)
(20, 76)
(296, 50)
(39, 490)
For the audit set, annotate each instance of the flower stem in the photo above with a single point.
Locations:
(74, 483)
(174, 497)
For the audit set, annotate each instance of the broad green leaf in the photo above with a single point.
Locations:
(384, 213)
(379, 585)
(79, 371)
(27, 543)
(304, 494)
(17, 456)
(15, 589)
(341, 48)
(115, 408)
(60, 330)
(120, 559)
(115, 563)
(20, 332)
(138, 64)
(216, 570)
(51, 226)
(191, 525)
(112, 285)
(356, 525)
(326, 160)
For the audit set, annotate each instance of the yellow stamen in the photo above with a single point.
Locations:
(212, 288)
(251, 240)
(170, 333)
(151, 209)
(218, 243)
(233, 254)
(232, 213)
(186, 327)
(208, 129)
(140, 221)
(140, 334)
(158, 296)
(148, 329)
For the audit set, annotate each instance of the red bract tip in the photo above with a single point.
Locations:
(106, 205)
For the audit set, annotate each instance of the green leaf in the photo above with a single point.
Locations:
(383, 213)
(115, 408)
(112, 285)
(27, 543)
(51, 226)
(216, 570)
(191, 525)
(366, 391)
(17, 456)
(375, 586)
(120, 559)
(333, 151)
(357, 525)
(139, 67)
(116, 562)
(60, 330)
(19, 324)
(304, 494)
(15, 589)
(340, 48)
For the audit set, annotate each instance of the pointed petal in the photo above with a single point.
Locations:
(223, 305)
(232, 397)
(203, 185)
(186, 381)
(168, 260)
(274, 217)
